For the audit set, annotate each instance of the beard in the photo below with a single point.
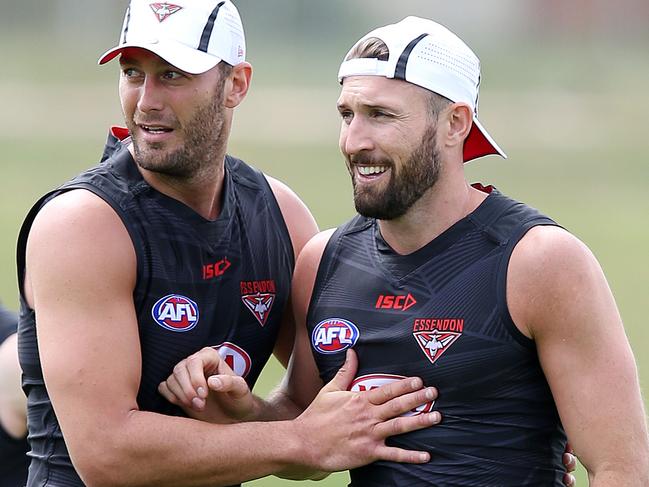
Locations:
(204, 140)
(405, 187)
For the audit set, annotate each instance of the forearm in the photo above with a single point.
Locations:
(155, 450)
(277, 406)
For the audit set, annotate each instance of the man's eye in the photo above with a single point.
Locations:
(346, 115)
(379, 114)
(130, 72)
(172, 75)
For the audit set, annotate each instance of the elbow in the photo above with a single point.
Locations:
(103, 465)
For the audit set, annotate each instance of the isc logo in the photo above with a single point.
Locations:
(334, 335)
(175, 312)
(373, 381)
(401, 302)
(236, 358)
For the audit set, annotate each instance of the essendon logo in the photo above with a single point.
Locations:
(259, 305)
(175, 312)
(373, 381)
(164, 10)
(334, 335)
(400, 302)
(435, 343)
(258, 296)
(236, 358)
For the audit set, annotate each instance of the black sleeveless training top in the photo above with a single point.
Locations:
(13, 451)
(440, 313)
(221, 283)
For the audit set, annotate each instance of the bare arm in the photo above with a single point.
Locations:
(558, 295)
(13, 403)
(80, 279)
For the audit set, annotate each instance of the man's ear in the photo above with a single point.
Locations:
(237, 84)
(459, 119)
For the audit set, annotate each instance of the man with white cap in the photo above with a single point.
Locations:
(508, 314)
(168, 246)
(505, 312)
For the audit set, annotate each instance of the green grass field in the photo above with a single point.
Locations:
(577, 149)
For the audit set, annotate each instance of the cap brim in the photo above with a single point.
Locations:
(479, 143)
(184, 58)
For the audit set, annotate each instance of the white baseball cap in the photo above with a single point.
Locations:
(427, 54)
(192, 35)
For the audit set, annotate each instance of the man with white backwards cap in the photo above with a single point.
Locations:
(508, 314)
(166, 247)
(505, 312)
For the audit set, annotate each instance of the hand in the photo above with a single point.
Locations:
(570, 461)
(207, 389)
(343, 429)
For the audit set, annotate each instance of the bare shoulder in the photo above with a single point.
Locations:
(306, 269)
(313, 249)
(550, 270)
(78, 235)
(299, 220)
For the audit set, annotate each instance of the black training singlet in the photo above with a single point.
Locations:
(440, 313)
(13, 451)
(221, 283)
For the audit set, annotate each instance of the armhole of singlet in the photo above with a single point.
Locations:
(278, 216)
(324, 267)
(501, 279)
(29, 220)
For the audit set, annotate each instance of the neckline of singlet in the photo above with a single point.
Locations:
(123, 159)
(400, 266)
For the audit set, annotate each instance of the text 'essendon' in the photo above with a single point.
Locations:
(440, 324)
(254, 287)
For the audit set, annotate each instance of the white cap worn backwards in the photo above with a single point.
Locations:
(192, 35)
(427, 54)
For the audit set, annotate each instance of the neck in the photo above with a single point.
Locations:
(202, 192)
(449, 200)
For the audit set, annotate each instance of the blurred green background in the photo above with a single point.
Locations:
(563, 92)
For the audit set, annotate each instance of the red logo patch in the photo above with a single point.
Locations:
(259, 305)
(216, 269)
(258, 296)
(373, 381)
(401, 302)
(164, 10)
(236, 358)
(434, 343)
(435, 335)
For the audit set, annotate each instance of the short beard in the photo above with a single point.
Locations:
(414, 178)
(204, 142)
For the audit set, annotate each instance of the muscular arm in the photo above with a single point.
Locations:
(80, 278)
(558, 295)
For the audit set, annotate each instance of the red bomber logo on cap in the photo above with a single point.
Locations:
(164, 10)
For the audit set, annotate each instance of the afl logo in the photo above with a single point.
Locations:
(236, 358)
(175, 312)
(334, 335)
(373, 381)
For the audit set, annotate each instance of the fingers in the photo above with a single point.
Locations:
(391, 390)
(406, 424)
(569, 480)
(570, 461)
(345, 375)
(400, 455)
(234, 385)
(187, 385)
(408, 403)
